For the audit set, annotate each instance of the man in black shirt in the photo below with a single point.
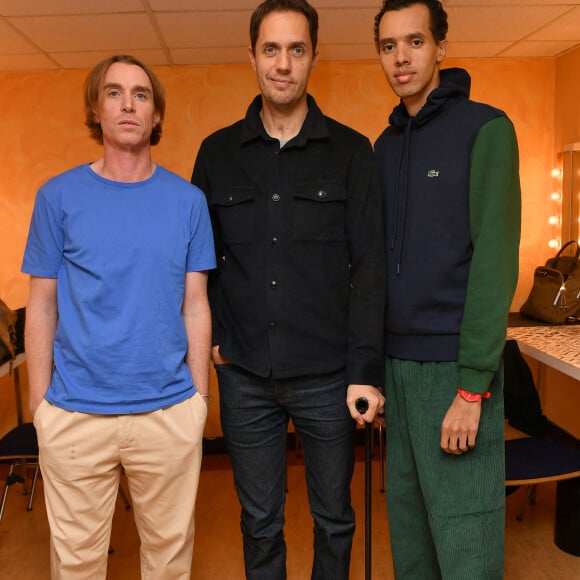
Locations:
(298, 296)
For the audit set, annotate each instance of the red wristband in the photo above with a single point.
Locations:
(473, 397)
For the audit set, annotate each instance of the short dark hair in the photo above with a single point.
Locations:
(268, 6)
(92, 89)
(438, 16)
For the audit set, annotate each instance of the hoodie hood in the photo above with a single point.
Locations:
(454, 82)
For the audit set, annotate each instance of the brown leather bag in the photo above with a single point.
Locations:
(555, 293)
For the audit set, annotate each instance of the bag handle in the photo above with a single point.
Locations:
(565, 246)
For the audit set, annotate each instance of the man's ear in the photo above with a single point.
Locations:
(252, 57)
(314, 61)
(442, 50)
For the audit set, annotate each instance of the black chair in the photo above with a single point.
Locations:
(540, 452)
(19, 448)
(531, 461)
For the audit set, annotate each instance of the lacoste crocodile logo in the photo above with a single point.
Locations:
(433, 173)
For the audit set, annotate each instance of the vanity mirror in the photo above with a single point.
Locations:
(571, 192)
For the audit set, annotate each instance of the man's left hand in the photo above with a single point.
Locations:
(460, 426)
(376, 400)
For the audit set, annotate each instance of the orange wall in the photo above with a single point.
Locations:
(43, 134)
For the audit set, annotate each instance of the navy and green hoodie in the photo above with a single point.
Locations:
(450, 179)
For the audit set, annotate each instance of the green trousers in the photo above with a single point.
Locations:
(446, 512)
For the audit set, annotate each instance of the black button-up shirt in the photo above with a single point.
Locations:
(300, 283)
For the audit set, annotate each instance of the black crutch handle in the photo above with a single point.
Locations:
(362, 405)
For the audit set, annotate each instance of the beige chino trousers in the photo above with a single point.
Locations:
(81, 459)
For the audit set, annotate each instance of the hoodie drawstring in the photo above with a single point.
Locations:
(400, 198)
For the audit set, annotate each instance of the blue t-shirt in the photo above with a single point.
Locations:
(119, 252)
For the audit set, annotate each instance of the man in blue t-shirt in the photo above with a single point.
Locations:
(118, 335)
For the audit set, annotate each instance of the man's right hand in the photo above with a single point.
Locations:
(33, 404)
(217, 358)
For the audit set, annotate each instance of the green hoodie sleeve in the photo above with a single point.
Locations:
(495, 217)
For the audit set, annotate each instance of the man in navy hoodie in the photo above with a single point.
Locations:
(450, 179)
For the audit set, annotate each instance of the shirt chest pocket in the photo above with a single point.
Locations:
(235, 209)
(320, 212)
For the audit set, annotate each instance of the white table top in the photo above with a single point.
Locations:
(556, 346)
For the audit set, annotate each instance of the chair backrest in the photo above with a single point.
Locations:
(522, 407)
(8, 319)
(20, 442)
(19, 330)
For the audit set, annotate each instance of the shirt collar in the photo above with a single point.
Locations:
(314, 126)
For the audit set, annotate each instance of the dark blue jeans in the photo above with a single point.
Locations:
(254, 416)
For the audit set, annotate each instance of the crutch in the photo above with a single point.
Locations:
(362, 406)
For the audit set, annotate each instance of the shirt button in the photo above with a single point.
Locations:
(274, 240)
(321, 194)
(273, 284)
(276, 198)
